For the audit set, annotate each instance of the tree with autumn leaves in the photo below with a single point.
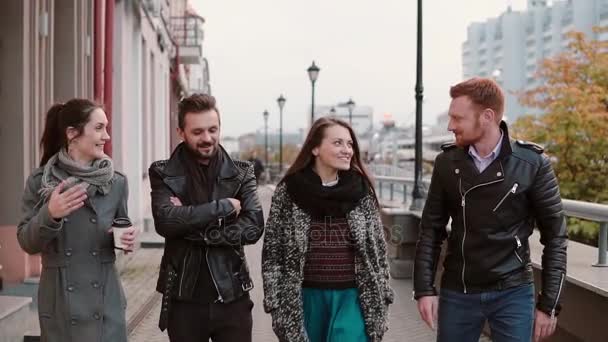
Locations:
(573, 96)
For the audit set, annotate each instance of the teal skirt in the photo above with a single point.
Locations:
(333, 315)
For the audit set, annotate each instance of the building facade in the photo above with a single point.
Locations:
(121, 53)
(510, 47)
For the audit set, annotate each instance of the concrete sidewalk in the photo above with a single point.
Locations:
(405, 324)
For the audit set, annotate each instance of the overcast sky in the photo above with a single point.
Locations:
(366, 50)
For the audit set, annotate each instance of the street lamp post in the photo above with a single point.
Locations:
(266, 138)
(417, 192)
(313, 74)
(281, 101)
(351, 107)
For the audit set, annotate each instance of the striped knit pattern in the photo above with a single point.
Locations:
(330, 259)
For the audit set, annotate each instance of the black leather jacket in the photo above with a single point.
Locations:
(214, 225)
(493, 214)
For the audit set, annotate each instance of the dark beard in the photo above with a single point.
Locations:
(199, 156)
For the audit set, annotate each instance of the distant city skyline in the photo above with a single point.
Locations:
(260, 50)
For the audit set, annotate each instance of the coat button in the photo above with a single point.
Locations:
(68, 252)
(498, 174)
(93, 220)
(95, 284)
(94, 253)
(65, 219)
(96, 315)
(457, 171)
(71, 288)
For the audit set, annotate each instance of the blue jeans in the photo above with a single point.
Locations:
(510, 314)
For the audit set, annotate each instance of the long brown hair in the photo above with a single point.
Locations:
(314, 138)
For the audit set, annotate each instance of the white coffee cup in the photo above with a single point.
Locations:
(119, 226)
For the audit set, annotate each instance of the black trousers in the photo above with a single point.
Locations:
(196, 322)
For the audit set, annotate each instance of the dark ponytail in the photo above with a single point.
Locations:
(51, 137)
(74, 113)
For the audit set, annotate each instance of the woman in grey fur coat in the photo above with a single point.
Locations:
(324, 262)
(69, 204)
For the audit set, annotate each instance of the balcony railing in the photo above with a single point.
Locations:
(188, 34)
(188, 30)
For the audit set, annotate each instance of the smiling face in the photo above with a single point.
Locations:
(201, 134)
(336, 149)
(87, 145)
(464, 121)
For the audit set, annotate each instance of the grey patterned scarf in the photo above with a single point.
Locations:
(60, 167)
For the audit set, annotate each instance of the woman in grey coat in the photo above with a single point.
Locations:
(324, 261)
(69, 204)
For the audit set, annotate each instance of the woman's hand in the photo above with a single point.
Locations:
(62, 204)
(127, 239)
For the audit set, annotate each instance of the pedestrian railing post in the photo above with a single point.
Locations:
(602, 245)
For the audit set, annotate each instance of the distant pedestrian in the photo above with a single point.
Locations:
(258, 167)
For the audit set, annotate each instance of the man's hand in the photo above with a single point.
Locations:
(236, 204)
(544, 326)
(427, 306)
(175, 201)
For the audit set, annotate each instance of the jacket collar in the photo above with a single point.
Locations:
(174, 167)
(505, 149)
(465, 168)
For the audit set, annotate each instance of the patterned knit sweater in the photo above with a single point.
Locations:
(330, 260)
(284, 256)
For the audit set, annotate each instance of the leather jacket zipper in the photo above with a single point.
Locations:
(512, 191)
(559, 291)
(181, 278)
(219, 294)
(518, 246)
(464, 223)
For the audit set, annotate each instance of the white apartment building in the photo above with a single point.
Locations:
(510, 47)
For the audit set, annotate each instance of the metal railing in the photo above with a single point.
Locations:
(592, 212)
(395, 187)
(391, 188)
(386, 170)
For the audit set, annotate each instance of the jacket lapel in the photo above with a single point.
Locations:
(177, 184)
(226, 186)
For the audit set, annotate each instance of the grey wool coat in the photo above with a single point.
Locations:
(284, 256)
(80, 297)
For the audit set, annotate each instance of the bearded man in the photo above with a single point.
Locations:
(206, 207)
(496, 191)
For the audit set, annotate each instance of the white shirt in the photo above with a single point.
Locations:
(483, 162)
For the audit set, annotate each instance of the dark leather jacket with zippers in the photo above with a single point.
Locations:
(493, 214)
(214, 225)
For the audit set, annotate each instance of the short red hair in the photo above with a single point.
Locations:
(483, 92)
